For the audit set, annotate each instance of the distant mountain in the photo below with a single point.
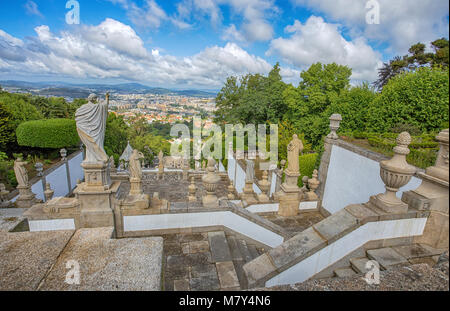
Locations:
(83, 90)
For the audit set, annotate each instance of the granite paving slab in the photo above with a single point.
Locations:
(26, 257)
(219, 246)
(206, 283)
(227, 276)
(412, 251)
(108, 264)
(344, 272)
(359, 264)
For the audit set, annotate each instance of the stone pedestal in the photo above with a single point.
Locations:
(289, 195)
(210, 182)
(96, 175)
(96, 207)
(249, 194)
(136, 186)
(26, 198)
(264, 185)
(433, 196)
(289, 203)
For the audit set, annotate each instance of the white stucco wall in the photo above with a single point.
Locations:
(58, 181)
(332, 253)
(76, 171)
(352, 179)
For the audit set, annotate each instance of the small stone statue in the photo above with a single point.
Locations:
(135, 165)
(91, 125)
(294, 149)
(313, 183)
(21, 172)
(112, 165)
(250, 170)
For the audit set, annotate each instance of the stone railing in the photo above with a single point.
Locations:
(62, 177)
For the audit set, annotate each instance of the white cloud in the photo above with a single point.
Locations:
(98, 52)
(402, 22)
(232, 34)
(318, 41)
(32, 8)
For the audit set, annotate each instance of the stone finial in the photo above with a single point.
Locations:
(63, 153)
(313, 183)
(210, 183)
(192, 190)
(4, 202)
(335, 121)
(395, 173)
(441, 168)
(264, 185)
(48, 193)
(39, 169)
(112, 165)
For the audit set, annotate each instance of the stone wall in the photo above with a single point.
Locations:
(350, 174)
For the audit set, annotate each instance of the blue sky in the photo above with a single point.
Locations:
(198, 43)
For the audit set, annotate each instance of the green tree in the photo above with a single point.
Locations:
(308, 104)
(116, 136)
(150, 146)
(418, 99)
(7, 132)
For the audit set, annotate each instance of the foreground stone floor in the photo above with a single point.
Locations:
(206, 261)
(39, 261)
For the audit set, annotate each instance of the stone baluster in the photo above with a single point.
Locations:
(264, 185)
(210, 183)
(192, 190)
(395, 173)
(48, 193)
(230, 189)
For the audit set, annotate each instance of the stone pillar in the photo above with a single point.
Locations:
(249, 195)
(185, 169)
(210, 183)
(264, 185)
(192, 190)
(290, 194)
(432, 196)
(48, 193)
(395, 173)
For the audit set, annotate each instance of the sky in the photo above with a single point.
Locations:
(199, 43)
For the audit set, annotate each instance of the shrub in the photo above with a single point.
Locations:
(307, 164)
(51, 133)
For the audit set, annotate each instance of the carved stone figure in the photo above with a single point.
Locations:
(21, 172)
(250, 170)
(91, 124)
(294, 149)
(135, 164)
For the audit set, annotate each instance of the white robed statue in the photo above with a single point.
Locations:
(91, 125)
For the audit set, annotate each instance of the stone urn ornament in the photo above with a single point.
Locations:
(395, 174)
(210, 182)
(335, 121)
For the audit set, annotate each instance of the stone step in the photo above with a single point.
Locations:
(234, 249)
(238, 264)
(359, 264)
(245, 252)
(386, 257)
(218, 244)
(344, 272)
(253, 251)
(227, 276)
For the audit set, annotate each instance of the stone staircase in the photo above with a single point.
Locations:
(211, 260)
(389, 257)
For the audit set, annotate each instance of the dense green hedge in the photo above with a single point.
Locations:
(50, 133)
(307, 165)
